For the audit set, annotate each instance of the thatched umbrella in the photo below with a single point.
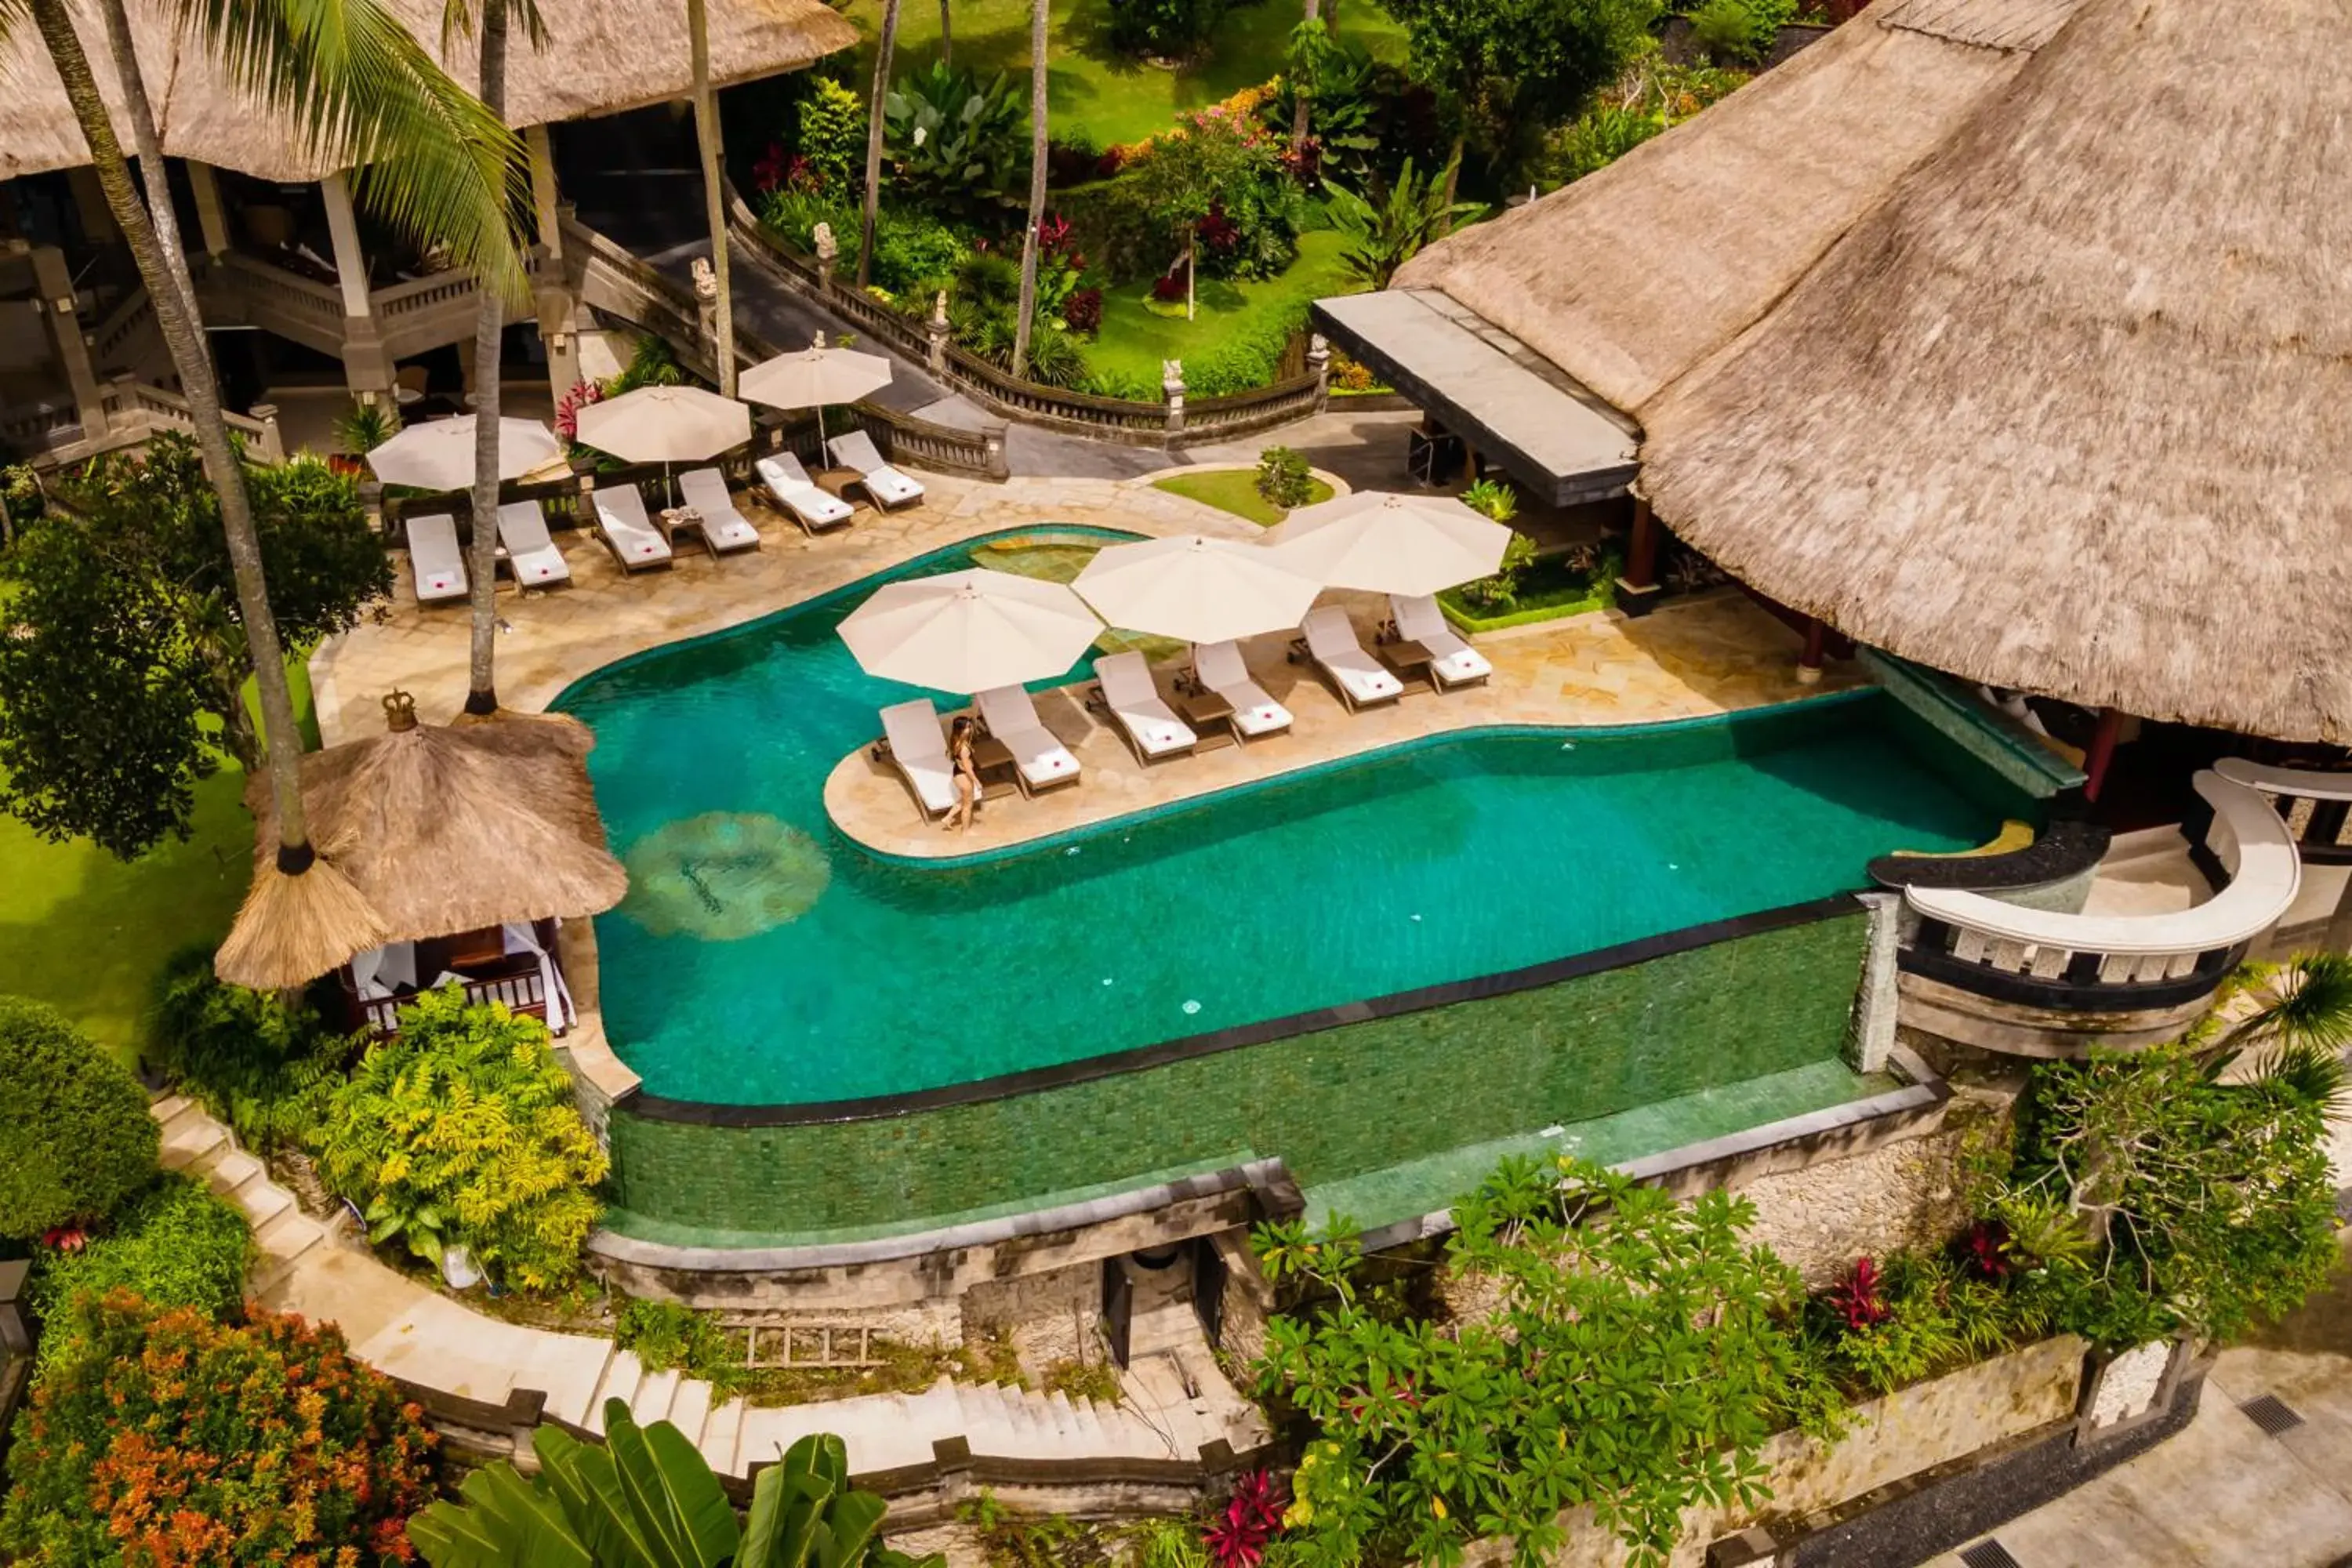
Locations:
(2071, 410)
(433, 830)
(602, 56)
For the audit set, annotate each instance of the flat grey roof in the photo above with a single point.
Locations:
(1518, 408)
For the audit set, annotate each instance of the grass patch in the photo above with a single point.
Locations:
(1135, 339)
(1235, 490)
(1093, 90)
(1548, 591)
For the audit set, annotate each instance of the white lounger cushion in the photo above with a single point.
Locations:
(885, 484)
(621, 519)
(433, 556)
(1135, 702)
(1331, 639)
(1219, 667)
(723, 527)
(920, 752)
(1012, 718)
(798, 494)
(1455, 661)
(531, 555)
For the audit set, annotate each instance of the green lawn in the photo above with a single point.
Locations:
(1135, 338)
(1235, 490)
(1097, 92)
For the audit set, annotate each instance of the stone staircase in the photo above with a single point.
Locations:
(1172, 1401)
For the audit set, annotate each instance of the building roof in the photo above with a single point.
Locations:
(601, 57)
(424, 832)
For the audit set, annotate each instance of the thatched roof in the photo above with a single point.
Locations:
(2071, 410)
(436, 830)
(602, 56)
(1631, 276)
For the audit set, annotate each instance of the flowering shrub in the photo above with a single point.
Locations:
(1856, 1298)
(568, 407)
(1238, 1537)
(1082, 311)
(176, 1245)
(167, 1440)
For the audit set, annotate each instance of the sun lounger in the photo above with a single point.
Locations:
(1219, 667)
(1042, 761)
(725, 530)
(912, 744)
(1452, 661)
(435, 558)
(1153, 731)
(1331, 641)
(793, 491)
(621, 523)
(531, 555)
(885, 484)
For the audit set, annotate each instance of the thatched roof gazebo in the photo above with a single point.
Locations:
(602, 56)
(433, 832)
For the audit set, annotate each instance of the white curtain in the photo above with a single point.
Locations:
(381, 970)
(519, 937)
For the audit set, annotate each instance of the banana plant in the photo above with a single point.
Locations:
(646, 1497)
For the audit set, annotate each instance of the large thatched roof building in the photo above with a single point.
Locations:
(2008, 335)
(601, 57)
(426, 831)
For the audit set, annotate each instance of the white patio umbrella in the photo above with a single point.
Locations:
(438, 455)
(1384, 543)
(813, 377)
(665, 425)
(1196, 589)
(970, 631)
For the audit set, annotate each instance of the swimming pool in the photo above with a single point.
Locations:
(762, 960)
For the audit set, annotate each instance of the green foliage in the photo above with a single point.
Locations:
(362, 427)
(1210, 161)
(76, 1139)
(129, 660)
(1493, 499)
(21, 495)
(1283, 477)
(956, 145)
(1731, 30)
(164, 1436)
(1163, 1544)
(1080, 1379)
(2148, 1197)
(1925, 1315)
(461, 1129)
(1386, 233)
(1637, 1360)
(265, 1066)
(652, 363)
(175, 1246)
(1163, 29)
(1499, 591)
(1597, 139)
(1010, 1540)
(1502, 65)
(666, 1336)
(648, 1499)
(832, 133)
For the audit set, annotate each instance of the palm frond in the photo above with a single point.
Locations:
(428, 158)
(2309, 1073)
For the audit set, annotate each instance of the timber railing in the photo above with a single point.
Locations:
(1172, 422)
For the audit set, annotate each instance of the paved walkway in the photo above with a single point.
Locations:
(1172, 1401)
(2223, 1493)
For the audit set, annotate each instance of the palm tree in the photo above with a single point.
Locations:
(489, 328)
(706, 136)
(358, 85)
(1298, 90)
(874, 140)
(947, 36)
(1036, 187)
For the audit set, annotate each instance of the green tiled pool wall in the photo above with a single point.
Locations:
(1334, 1104)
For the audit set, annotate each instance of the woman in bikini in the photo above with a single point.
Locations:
(967, 774)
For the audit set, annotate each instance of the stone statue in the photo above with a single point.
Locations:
(826, 248)
(706, 281)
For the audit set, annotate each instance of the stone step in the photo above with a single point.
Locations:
(654, 1396)
(262, 1202)
(287, 1233)
(622, 1377)
(226, 1169)
(689, 1408)
(166, 1108)
(721, 1434)
(191, 1136)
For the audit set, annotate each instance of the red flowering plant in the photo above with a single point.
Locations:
(168, 1440)
(1237, 1538)
(1857, 1298)
(568, 407)
(770, 168)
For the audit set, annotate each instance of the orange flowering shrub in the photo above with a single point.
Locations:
(168, 1440)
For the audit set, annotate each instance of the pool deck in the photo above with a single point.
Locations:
(1695, 659)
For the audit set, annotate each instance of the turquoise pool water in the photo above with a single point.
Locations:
(1454, 859)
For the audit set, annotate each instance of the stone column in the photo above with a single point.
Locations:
(270, 447)
(1171, 386)
(558, 332)
(1809, 663)
(55, 281)
(936, 333)
(366, 367)
(542, 190)
(828, 255)
(212, 223)
(1871, 1040)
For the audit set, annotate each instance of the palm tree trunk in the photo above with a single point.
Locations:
(1298, 95)
(706, 134)
(183, 334)
(1029, 257)
(144, 141)
(1192, 267)
(947, 36)
(874, 140)
(489, 328)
